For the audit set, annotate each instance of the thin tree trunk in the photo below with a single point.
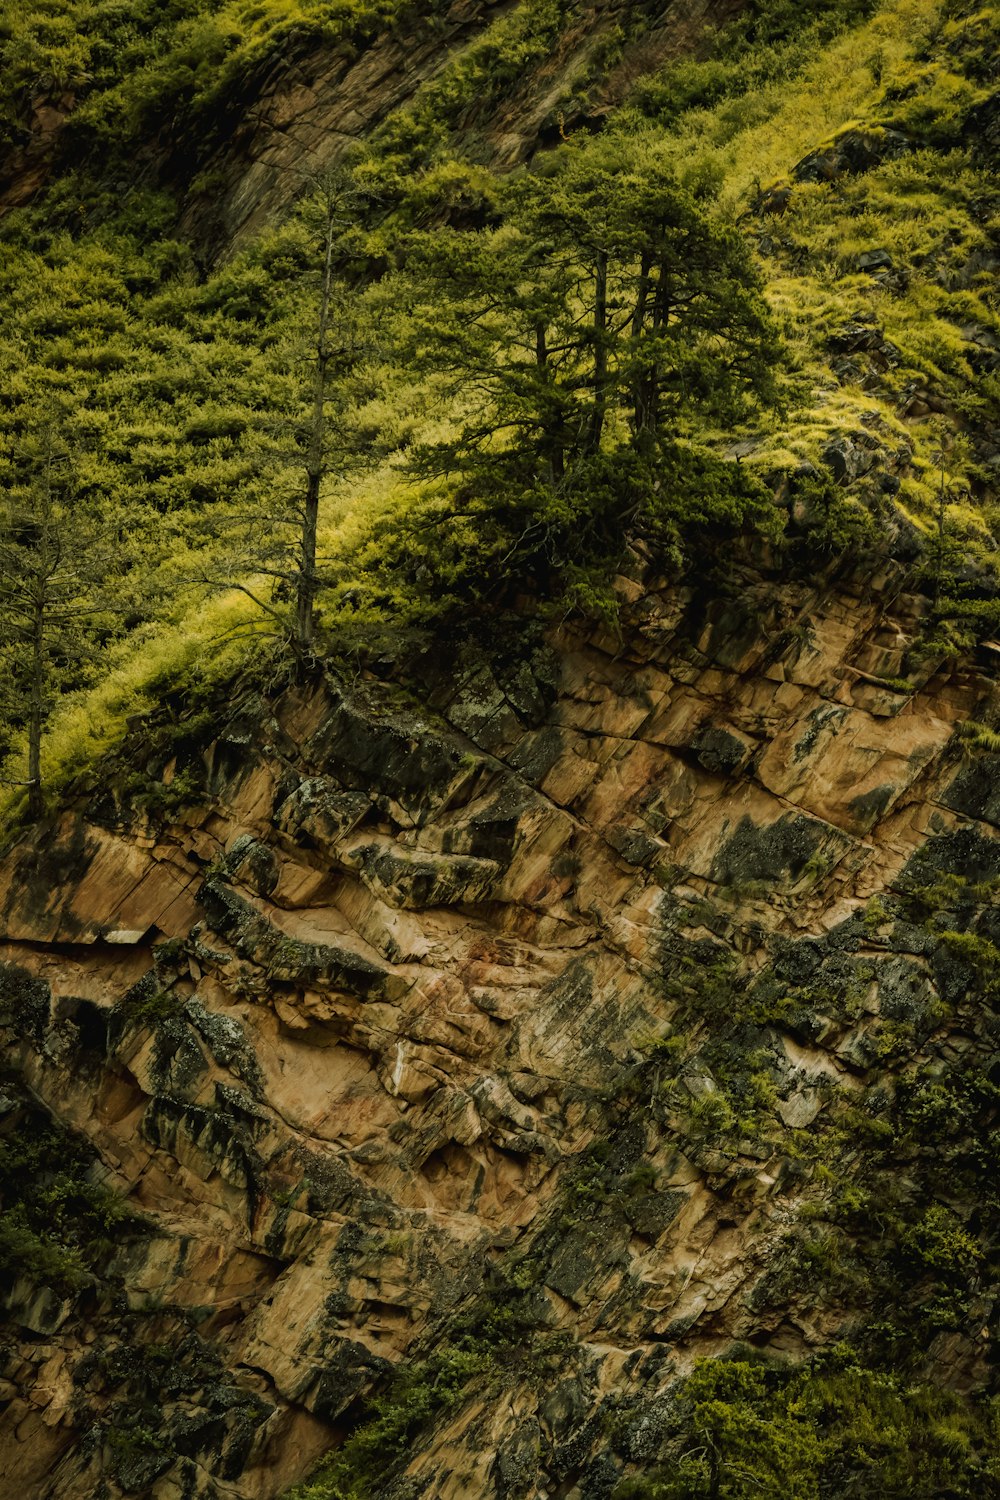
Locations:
(599, 408)
(714, 1473)
(553, 442)
(653, 375)
(306, 583)
(939, 539)
(640, 375)
(36, 711)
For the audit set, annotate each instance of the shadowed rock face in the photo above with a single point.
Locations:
(367, 1037)
(304, 109)
(310, 111)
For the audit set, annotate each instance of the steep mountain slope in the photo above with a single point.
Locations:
(317, 111)
(293, 96)
(425, 1059)
(519, 1031)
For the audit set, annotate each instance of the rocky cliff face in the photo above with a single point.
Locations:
(310, 111)
(305, 107)
(524, 1022)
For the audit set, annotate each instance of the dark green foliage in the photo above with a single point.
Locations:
(57, 1225)
(503, 533)
(829, 1430)
(150, 435)
(703, 981)
(581, 342)
(161, 798)
(826, 523)
(609, 296)
(493, 1333)
(149, 1005)
(419, 1392)
(590, 330)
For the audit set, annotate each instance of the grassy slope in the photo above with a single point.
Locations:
(915, 64)
(740, 119)
(906, 68)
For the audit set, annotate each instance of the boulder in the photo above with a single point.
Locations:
(855, 149)
(722, 750)
(874, 260)
(849, 459)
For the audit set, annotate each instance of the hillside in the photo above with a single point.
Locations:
(505, 1004)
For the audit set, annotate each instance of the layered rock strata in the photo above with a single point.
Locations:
(375, 1033)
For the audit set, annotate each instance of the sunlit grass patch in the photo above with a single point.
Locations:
(199, 649)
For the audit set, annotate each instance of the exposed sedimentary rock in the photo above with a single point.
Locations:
(348, 1031)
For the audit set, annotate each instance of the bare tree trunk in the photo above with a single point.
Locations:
(36, 708)
(640, 379)
(305, 589)
(306, 583)
(599, 408)
(714, 1472)
(553, 443)
(652, 375)
(938, 574)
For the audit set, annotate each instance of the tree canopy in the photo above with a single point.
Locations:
(563, 364)
(584, 341)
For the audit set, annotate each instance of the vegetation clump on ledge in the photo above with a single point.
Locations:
(431, 389)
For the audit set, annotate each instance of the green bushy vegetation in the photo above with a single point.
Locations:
(746, 119)
(153, 444)
(494, 440)
(831, 1428)
(510, 420)
(577, 345)
(522, 373)
(134, 68)
(58, 1225)
(197, 426)
(422, 1391)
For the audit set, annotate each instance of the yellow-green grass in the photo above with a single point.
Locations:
(924, 209)
(204, 645)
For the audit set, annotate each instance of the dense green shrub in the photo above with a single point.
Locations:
(57, 1223)
(832, 1428)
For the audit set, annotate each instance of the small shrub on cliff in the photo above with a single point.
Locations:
(26, 1252)
(418, 1393)
(830, 1428)
(57, 1226)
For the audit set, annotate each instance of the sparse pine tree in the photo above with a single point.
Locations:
(57, 592)
(608, 320)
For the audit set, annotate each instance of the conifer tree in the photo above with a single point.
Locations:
(608, 318)
(56, 590)
(303, 438)
(335, 352)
